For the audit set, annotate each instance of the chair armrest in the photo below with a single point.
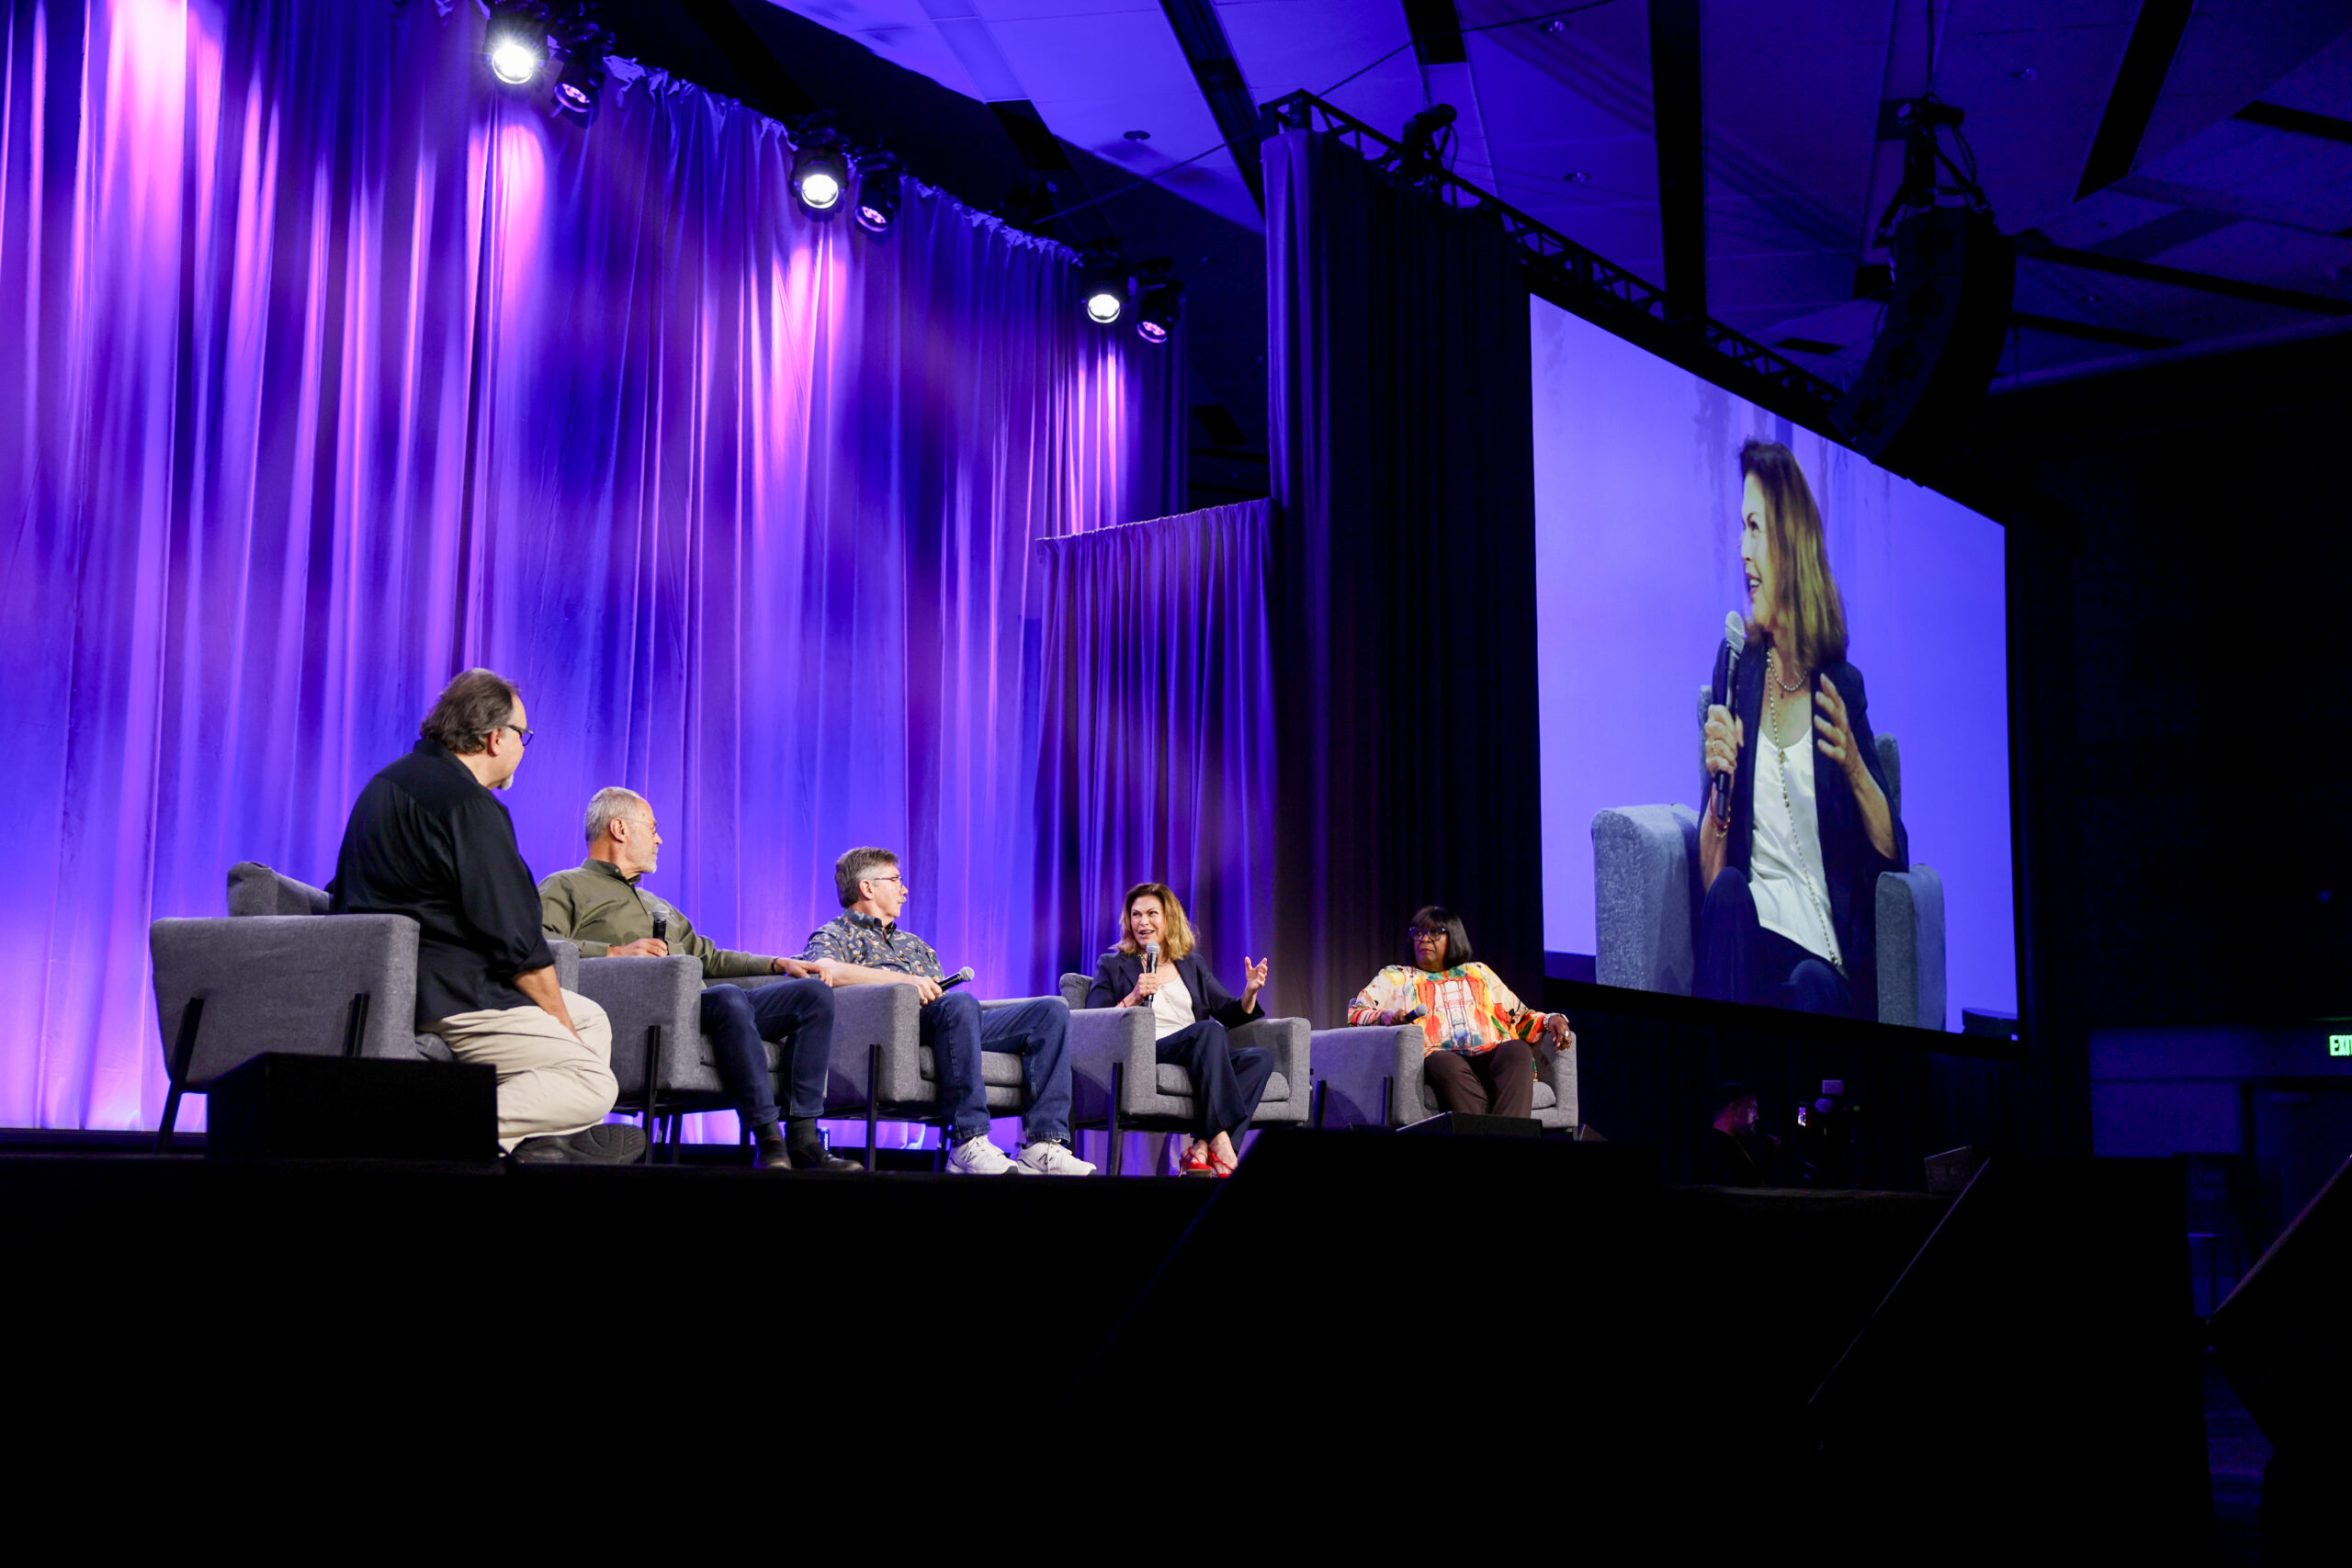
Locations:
(989, 1004)
(889, 1016)
(639, 994)
(1099, 1039)
(567, 962)
(1641, 880)
(284, 983)
(1911, 948)
(1558, 1068)
(1353, 1062)
(1292, 1042)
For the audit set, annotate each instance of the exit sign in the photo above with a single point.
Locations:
(2339, 1044)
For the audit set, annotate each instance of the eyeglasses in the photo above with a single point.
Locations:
(1422, 933)
(894, 876)
(518, 730)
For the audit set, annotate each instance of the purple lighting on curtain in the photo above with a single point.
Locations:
(329, 367)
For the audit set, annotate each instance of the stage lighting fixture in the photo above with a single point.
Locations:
(819, 171)
(1105, 291)
(1158, 304)
(576, 48)
(877, 192)
(516, 44)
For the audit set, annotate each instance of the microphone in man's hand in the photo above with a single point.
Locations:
(957, 979)
(1726, 673)
(661, 927)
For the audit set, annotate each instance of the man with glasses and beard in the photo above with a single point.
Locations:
(429, 841)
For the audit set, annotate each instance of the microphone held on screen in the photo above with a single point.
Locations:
(1150, 957)
(957, 979)
(1726, 679)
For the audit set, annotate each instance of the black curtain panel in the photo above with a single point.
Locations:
(1402, 576)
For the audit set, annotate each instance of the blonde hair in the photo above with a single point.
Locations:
(1179, 940)
(1807, 612)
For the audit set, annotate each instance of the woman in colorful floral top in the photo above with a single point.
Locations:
(1477, 1053)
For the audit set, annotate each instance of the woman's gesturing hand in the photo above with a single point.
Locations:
(1836, 731)
(1145, 987)
(1724, 736)
(1563, 1037)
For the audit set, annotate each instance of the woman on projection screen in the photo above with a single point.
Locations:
(1790, 852)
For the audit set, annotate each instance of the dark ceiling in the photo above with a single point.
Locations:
(2179, 175)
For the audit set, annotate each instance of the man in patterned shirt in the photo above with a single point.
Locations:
(864, 946)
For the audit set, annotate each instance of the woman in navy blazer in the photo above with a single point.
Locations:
(1790, 863)
(1154, 967)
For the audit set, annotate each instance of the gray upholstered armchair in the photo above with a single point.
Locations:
(656, 1008)
(1372, 1076)
(1646, 899)
(280, 975)
(1118, 1083)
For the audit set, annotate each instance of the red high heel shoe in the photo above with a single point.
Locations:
(1222, 1168)
(1196, 1161)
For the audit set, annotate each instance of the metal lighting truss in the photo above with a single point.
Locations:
(1589, 285)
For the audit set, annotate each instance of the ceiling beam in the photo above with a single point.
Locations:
(2279, 117)
(2058, 326)
(2138, 83)
(1436, 28)
(1677, 113)
(1202, 38)
(2032, 247)
(783, 97)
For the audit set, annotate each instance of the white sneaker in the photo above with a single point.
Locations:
(977, 1157)
(1051, 1159)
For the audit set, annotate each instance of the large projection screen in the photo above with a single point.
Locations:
(1639, 514)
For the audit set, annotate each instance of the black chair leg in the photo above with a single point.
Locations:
(1322, 1092)
(171, 1114)
(872, 1088)
(1388, 1101)
(183, 1053)
(1118, 1086)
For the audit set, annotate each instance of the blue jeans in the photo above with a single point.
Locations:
(957, 1029)
(799, 1012)
(1227, 1080)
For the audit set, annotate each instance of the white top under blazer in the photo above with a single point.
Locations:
(1785, 876)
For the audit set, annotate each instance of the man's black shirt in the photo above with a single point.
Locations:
(426, 840)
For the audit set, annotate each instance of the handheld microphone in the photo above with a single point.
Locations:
(957, 979)
(1150, 957)
(1727, 674)
(661, 927)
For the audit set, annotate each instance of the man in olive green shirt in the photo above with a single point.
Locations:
(598, 905)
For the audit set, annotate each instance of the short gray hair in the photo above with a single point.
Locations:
(608, 805)
(855, 867)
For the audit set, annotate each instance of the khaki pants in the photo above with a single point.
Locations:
(548, 1082)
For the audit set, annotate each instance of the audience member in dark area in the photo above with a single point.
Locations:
(1477, 1051)
(1155, 967)
(864, 945)
(1734, 1151)
(1790, 911)
(427, 840)
(599, 905)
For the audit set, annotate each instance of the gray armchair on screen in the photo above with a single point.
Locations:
(280, 974)
(656, 1008)
(1118, 1083)
(1371, 1077)
(1646, 898)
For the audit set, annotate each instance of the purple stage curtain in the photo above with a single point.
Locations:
(329, 367)
(1156, 761)
(1402, 574)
